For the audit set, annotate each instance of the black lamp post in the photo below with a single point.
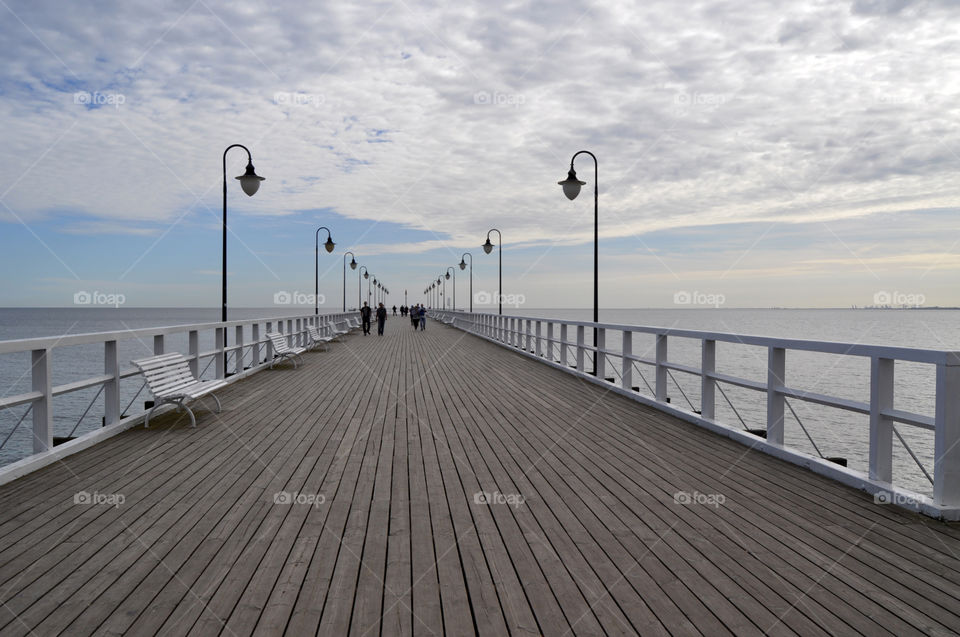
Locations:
(463, 265)
(250, 182)
(366, 274)
(454, 286)
(353, 266)
(329, 245)
(370, 297)
(571, 188)
(488, 248)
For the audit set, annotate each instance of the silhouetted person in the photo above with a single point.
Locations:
(381, 319)
(414, 316)
(394, 310)
(423, 318)
(365, 312)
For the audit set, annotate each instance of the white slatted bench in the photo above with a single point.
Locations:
(316, 338)
(170, 380)
(332, 331)
(282, 350)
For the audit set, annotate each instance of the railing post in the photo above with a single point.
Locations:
(290, 332)
(193, 347)
(299, 336)
(626, 364)
(776, 372)
(579, 348)
(157, 344)
(238, 341)
(550, 339)
(881, 427)
(526, 335)
(599, 356)
(255, 345)
(111, 388)
(513, 332)
(221, 362)
(563, 344)
(661, 386)
(946, 446)
(269, 342)
(42, 408)
(708, 384)
(539, 333)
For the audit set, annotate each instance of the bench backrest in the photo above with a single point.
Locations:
(165, 373)
(280, 345)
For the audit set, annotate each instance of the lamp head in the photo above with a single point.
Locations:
(571, 185)
(366, 275)
(487, 247)
(353, 263)
(250, 180)
(448, 276)
(463, 264)
(329, 245)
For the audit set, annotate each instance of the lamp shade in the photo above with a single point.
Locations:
(463, 264)
(353, 264)
(447, 276)
(329, 245)
(571, 185)
(366, 275)
(487, 247)
(250, 180)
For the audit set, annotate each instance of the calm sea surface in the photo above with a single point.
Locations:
(835, 432)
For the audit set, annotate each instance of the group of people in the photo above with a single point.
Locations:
(417, 313)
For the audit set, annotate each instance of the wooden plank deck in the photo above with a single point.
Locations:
(444, 485)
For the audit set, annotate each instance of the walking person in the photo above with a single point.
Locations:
(394, 310)
(381, 319)
(365, 312)
(415, 316)
(423, 318)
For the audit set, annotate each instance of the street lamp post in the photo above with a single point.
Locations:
(328, 245)
(463, 265)
(353, 266)
(488, 248)
(571, 188)
(454, 286)
(250, 183)
(366, 275)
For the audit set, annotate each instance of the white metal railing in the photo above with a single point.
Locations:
(566, 344)
(248, 340)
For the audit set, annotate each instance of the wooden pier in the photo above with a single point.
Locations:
(433, 483)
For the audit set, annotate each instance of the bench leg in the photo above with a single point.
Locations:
(193, 420)
(146, 421)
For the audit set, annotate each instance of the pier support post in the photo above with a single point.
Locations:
(111, 388)
(526, 336)
(946, 446)
(776, 371)
(708, 385)
(298, 338)
(599, 356)
(661, 386)
(221, 363)
(539, 335)
(626, 363)
(563, 344)
(193, 349)
(579, 348)
(238, 341)
(42, 382)
(269, 343)
(255, 342)
(881, 427)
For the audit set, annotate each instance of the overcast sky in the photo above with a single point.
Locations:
(773, 154)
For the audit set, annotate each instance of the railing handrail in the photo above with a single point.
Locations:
(912, 354)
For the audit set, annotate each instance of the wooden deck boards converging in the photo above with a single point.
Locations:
(429, 483)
